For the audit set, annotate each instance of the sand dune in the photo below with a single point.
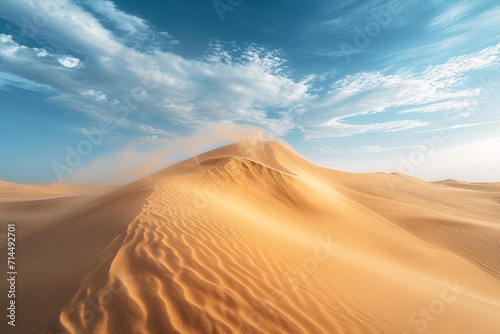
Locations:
(252, 238)
(33, 207)
(493, 187)
(22, 192)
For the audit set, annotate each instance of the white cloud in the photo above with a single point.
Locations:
(8, 47)
(98, 96)
(69, 62)
(41, 52)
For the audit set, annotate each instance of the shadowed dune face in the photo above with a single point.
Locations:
(252, 238)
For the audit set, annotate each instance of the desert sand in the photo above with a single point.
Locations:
(253, 238)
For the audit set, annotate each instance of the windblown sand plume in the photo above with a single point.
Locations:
(252, 238)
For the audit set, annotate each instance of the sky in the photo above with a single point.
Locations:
(100, 91)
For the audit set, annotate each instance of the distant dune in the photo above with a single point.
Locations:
(253, 238)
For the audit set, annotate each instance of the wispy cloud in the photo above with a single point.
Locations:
(450, 16)
(463, 27)
(9, 80)
(436, 88)
(365, 149)
(440, 106)
(461, 126)
(337, 128)
(467, 17)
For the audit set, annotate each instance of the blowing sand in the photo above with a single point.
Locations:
(252, 238)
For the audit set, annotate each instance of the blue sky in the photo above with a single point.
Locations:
(102, 91)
